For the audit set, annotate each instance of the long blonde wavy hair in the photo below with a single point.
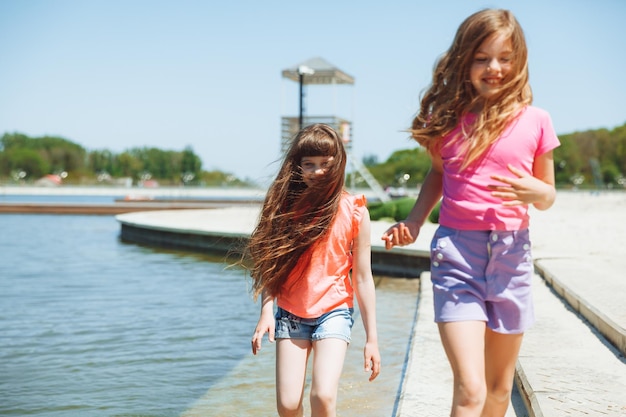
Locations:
(295, 216)
(451, 95)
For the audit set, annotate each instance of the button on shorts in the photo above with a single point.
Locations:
(335, 324)
(484, 276)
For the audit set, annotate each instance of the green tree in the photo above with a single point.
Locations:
(101, 161)
(219, 178)
(127, 165)
(14, 141)
(58, 153)
(23, 159)
(62, 154)
(190, 166)
(412, 162)
(370, 160)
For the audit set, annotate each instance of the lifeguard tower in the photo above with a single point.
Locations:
(318, 71)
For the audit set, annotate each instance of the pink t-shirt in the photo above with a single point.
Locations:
(467, 201)
(323, 285)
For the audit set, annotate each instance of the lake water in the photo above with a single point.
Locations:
(91, 326)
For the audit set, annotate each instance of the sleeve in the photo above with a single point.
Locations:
(359, 210)
(548, 139)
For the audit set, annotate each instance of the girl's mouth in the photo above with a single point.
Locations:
(492, 81)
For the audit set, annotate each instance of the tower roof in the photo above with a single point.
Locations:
(323, 73)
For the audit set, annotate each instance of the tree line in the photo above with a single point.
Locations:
(592, 159)
(26, 159)
(588, 159)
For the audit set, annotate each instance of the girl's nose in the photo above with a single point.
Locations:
(494, 66)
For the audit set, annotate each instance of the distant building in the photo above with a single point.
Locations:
(50, 180)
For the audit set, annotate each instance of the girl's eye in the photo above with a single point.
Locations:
(480, 60)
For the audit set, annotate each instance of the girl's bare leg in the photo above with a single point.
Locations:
(501, 351)
(328, 357)
(464, 344)
(291, 361)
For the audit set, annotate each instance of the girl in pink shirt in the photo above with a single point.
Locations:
(491, 155)
(311, 252)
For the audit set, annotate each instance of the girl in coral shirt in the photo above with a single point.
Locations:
(311, 253)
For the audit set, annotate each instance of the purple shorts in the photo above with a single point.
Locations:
(484, 276)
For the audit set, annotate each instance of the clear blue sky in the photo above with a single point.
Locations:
(118, 74)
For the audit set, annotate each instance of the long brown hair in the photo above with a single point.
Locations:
(451, 95)
(295, 216)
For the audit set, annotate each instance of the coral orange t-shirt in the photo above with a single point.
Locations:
(323, 284)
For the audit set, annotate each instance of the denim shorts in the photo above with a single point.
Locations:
(336, 324)
(483, 275)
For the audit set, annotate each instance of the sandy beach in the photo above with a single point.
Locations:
(582, 224)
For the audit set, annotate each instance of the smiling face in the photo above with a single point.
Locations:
(314, 167)
(491, 65)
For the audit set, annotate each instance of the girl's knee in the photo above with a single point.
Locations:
(500, 393)
(289, 410)
(323, 400)
(471, 394)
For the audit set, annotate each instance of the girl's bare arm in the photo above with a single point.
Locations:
(266, 323)
(366, 294)
(405, 232)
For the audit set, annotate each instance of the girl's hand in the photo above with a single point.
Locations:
(521, 189)
(400, 234)
(372, 359)
(267, 325)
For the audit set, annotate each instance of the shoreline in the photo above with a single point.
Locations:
(226, 192)
(130, 191)
(141, 193)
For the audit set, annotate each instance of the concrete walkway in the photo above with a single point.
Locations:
(572, 362)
